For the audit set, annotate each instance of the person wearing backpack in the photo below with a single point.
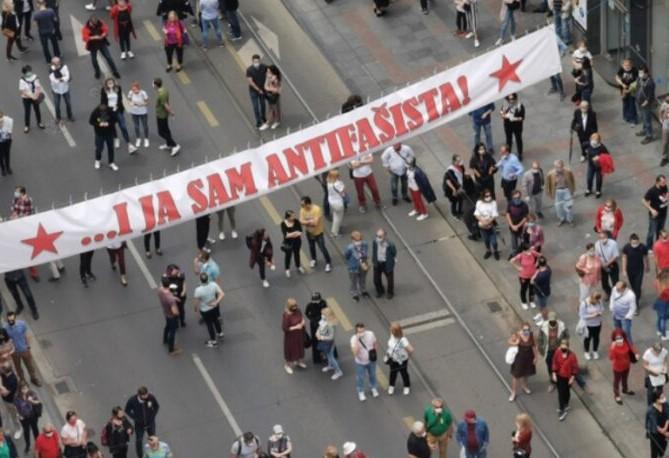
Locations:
(116, 433)
(278, 444)
(29, 408)
(31, 96)
(245, 446)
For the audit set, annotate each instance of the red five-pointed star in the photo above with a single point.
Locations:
(507, 72)
(43, 241)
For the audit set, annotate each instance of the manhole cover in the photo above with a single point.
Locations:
(62, 387)
(494, 307)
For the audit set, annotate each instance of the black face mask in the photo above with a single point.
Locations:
(552, 323)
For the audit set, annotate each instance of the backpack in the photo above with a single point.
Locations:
(104, 435)
(239, 444)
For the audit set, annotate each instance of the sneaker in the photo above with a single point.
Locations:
(587, 356)
(469, 34)
(595, 355)
(512, 397)
(221, 236)
(275, 125)
(362, 397)
(236, 38)
(533, 305)
(406, 391)
(476, 43)
(123, 55)
(114, 167)
(524, 306)
(513, 38)
(117, 143)
(211, 241)
(391, 390)
(163, 147)
(375, 392)
(211, 344)
(551, 387)
(328, 268)
(538, 319)
(300, 269)
(175, 150)
(220, 335)
(97, 165)
(312, 263)
(138, 142)
(498, 42)
(131, 55)
(336, 375)
(234, 234)
(90, 7)
(18, 434)
(563, 415)
(132, 149)
(272, 267)
(301, 365)
(664, 337)
(362, 210)
(422, 217)
(413, 213)
(146, 143)
(327, 369)
(264, 126)
(265, 284)
(288, 369)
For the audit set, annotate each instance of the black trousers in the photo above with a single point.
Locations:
(456, 204)
(156, 241)
(164, 131)
(25, 20)
(20, 282)
(514, 130)
(27, 104)
(294, 253)
(210, 318)
(202, 230)
(5, 148)
(593, 335)
(169, 336)
(29, 424)
(169, 53)
(120, 451)
(140, 430)
(508, 186)
(85, 260)
(610, 278)
(402, 369)
(564, 393)
(635, 280)
(658, 445)
(124, 37)
(525, 287)
(379, 270)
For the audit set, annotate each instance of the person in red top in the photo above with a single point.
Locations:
(661, 251)
(565, 369)
(47, 444)
(94, 34)
(525, 263)
(609, 218)
(620, 354)
(522, 437)
(121, 14)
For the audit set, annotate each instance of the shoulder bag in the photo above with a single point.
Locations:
(371, 352)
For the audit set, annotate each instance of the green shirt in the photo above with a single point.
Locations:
(4, 450)
(437, 424)
(162, 99)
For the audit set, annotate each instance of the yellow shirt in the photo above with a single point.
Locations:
(314, 213)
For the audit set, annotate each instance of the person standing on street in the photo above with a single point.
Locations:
(273, 96)
(171, 312)
(74, 436)
(279, 444)
(439, 426)
(560, 186)
(292, 324)
(22, 205)
(142, 409)
(627, 79)
(116, 252)
(14, 280)
(397, 357)
(417, 446)
(551, 333)
(656, 201)
(663, 116)
(513, 114)
(482, 166)
(481, 119)
(32, 95)
(589, 270)
(336, 200)
(292, 241)
(384, 253)
(6, 128)
(85, 261)
(121, 14)
(311, 217)
(59, 77)
(27, 404)
(524, 363)
(656, 365)
(584, 123)
(324, 342)
(621, 352)
(453, 185)
(246, 446)
(661, 251)
(517, 212)
(24, 9)
(102, 120)
(590, 312)
(486, 213)
(178, 287)
(220, 214)
(532, 185)
(419, 187)
(510, 169)
(138, 103)
(230, 8)
(10, 26)
(46, 21)
(117, 432)
(174, 32)
(635, 264)
(522, 436)
(357, 264)
(565, 369)
(608, 253)
(623, 308)
(473, 436)
(163, 113)
(364, 347)
(362, 173)
(645, 98)
(657, 426)
(313, 312)
(261, 253)
(208, 297)
(112, 96)
(155, 448)
(18, 332)
(508, 20)
(255, 76)
(94, 34)
(47, 444)
(396, 160)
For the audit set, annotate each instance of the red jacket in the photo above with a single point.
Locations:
(565, 366)
(617, 224)
(86, 31)
(661, 252)
(620, 354)
(606, 163)
(114, 15)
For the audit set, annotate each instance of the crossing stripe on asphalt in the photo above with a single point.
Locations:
(339, 313)
(151, 29)
(183, 77)
(206, 112)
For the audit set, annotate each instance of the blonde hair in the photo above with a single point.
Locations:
(523, 421)
(329, 315)
(396, 330)
(172, 16)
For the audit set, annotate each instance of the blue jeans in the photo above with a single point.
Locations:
(625, 325)
(629, 109)
(233, 20)
(655, 225)
(141, 120)
(566, 30)
(487, 130)
(540, 299)
(647, 121)
(480, 454)
(662, 324)
(68, 106)
(509, 21)
(258, 102)
(402, 182)
(120, 122)
(332, 361)
(563, 204)
(320, 241)
(556, 83)
(489, 238)
(360, 370)
(213, 24)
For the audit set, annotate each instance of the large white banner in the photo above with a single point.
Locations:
(250, 174)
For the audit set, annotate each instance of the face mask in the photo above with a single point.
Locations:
(526, 332)
(379, 239)
(590, 252)
(530, 224)
(438, 410)
(357, 243)
(256, 64)
(488, 198)
(515, 201)
(642, 75)
(17, 194)
(619, 342)
(594, 143)
(481, 151)
(583, 50)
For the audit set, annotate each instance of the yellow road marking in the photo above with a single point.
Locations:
(408, 422)
(151, 29)
(183, 77)
(206, 112)
(235, 55)
(339, 313)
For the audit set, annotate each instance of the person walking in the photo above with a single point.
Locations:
(163, 113)
(59, 77)
(517, 212)
(46, 21)
(417, 446)
(486, 214)
(460, 17)
(551, 333)
(246, 446)
(525, 262)
(635, 264)
(532, 186)
(255, 76)
(661, 305)
(262, 253)
(483, 168)
(207, 298)
(117, 433)
(510, 169)
(656, 201)
(313, 312)
(94, 35)
(85, 261)
(608, 253)
(292, 241)
(560, 186)
(473, 436)
(18, 332)
(6, 128)
(182, 8)
(74, 436)
(397, 356)
(294, 334)
(177, 280)
(627, 79)
(656, 365)
(102, 120)
(142, 408)
(29, 408)
(121, 15)
(565, 370)
(47, 444)
(584, 81)
(363, 174)
(279, 444)
(357, 264)
(508, 20)
(384, 254)
(419, 187)
(311, 218)
(453, 185)
(438, 421)
(336, 199)
(171, 313)
(112, 96)
(324, 341)
(396, 160)
(230, 8)
(220, 214)
(481, 120)
(273, 96)
(513, 114)
(174, 32)
(657, 425)
(11, 29)
(661, 251)
(589, 270)
(524, 364)
(623, 308)
(590, 312)
(621, 353)
(645, 98)
(584, 123)
(364, 347)
(138, 102)
(116, 252)
(522, 436)
(32, 95)
(209, 12)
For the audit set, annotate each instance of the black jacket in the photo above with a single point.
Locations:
(590, 124)
(18, 6)
(105, 100)
(182, 8)
(142, 413)
(118, 436)
(230, 5)
(10, 21)
(99, 116)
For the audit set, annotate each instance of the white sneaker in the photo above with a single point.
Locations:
(265, 284)
(175, 150)
(595, 355)
(146, 143)
(413, 213)
(469, 35)
(664, 337)
(234, 234)
(288, 369)
(362, 397)
(375, 392)
(312, 263)
(391, 390)
(114, 167)
(336, 375)
(498, 42)
(211, 241)
(476, 43)
(265, 126)
(123, 55)
(132, 149)
(138, 142)
(587, 356)
(275, 125)
(90, 7)
(524, 306)
(211, 344)
(221, 236)
(163, 147)
(108, 8)
(97, 165)
(131, 55)
(328, 268)
(327, 369)
(300, 269)
(18, 434)
(422, 217)
(272, 267)
(287, 273)
(117, 143)
(406, 391)
(533, 305)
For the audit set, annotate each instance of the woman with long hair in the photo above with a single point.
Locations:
(325, 335)
(11, 29)
(174, 32)
(273, 96)
(522, 436)
(397, 356)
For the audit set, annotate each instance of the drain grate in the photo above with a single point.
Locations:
(494, 307)
(62, 387)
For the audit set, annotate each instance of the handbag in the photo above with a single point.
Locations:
(511, 354)
(9, 33)
(372, 353)
(286, 246)
(633, 358)
(306, 338)
(581, 328)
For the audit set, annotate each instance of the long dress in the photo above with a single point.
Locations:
(523, 365)
(293, 341)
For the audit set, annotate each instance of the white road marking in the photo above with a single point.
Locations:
(66, 133)
(217, 396)
(142, 265)
(78, 41)
(428, 326)
(423, 318)
(267, 35)
(248, 49)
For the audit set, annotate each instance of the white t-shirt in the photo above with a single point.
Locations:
(486, 210)
(138, 102)
(411, 179)
(75, 432)
(397, 349)
(27, 85)
(368, 340)
(656, 362)
(364, 170)
(335, 194)
(112, 99)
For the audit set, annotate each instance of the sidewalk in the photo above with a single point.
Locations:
(374, 54)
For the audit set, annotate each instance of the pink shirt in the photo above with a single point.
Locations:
(592, 267)
(527, 263)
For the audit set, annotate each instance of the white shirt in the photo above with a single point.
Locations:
(112, 99)
(138, 102)
(623, 305)
(6, 127)
(584, 119)
(335, 192)
(397, 349)
(26, 85)
(364, 170)
(368, 339)
(411, 180)
(486, 210)
(657, 363)
(75, 432)
(396, 162)
(60, 85)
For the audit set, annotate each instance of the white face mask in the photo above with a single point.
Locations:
(594, 143)
(17, 194)
(256, 64)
